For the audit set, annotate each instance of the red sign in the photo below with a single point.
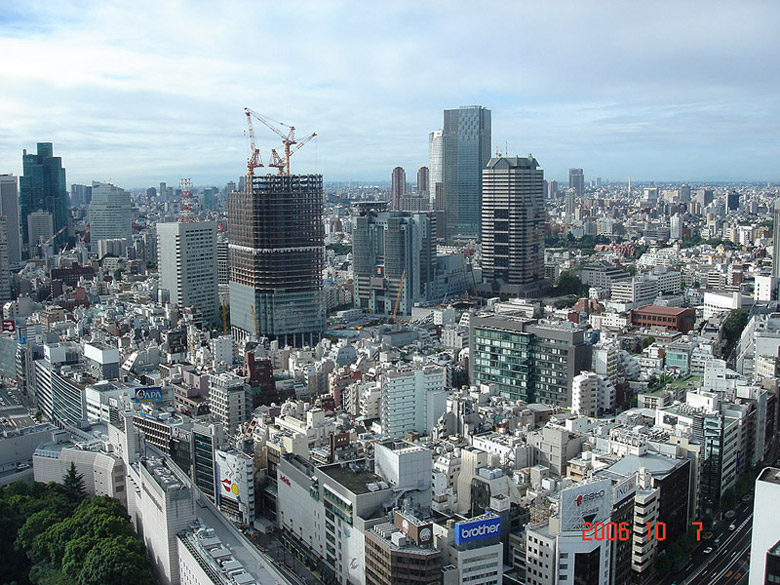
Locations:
(9, 325)
(283, 479)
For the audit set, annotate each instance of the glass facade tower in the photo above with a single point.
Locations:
(42, 187)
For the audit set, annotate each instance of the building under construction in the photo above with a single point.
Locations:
(276, 244)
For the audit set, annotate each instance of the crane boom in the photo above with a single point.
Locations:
(288, 140)
(253, 161)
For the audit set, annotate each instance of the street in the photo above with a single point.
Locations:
(728, 563)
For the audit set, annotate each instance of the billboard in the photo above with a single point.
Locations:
(624, 489)
(477, 528)
(232, 478)
(591, 502)
(148, 394)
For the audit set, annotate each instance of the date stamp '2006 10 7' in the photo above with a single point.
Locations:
(615, 531)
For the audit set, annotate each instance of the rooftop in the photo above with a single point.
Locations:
(657, 310)
(770, 475)
(657, 465)
(355, 476)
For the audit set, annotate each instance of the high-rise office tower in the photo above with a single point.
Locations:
(570, 204)
(5, 265)
(42, 188)
(276, 237)
(467, 143)
(80, 195)
(187, 260)
(422, 180)
(40, 226)
(513, 225)
(110, 214)
(732, 201)
(163, 190)
(9, 207)
(552, 190)
(394, 258)
(776, 242)
(398, 188)
(436, 169)
(577, 181)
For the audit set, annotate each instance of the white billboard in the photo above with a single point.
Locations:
(624, 489)
(590, 502)
(232, 476)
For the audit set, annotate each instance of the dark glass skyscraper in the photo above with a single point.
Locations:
(42, 187)
(276, 246)
(466, 151)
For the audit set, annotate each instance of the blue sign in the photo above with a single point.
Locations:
(477, 529)
(148, 394)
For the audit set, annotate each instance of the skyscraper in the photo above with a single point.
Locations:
(436, 169)
(765, 539)
(466, 140)
(398, 188)
(776, 242)
(422, 180)
(276, 237)
(9, 207)
(42, 188)
(577, 181)
(732, 201)
(513, 225)
(80, 195)
(187, 260)
(394, 253)
(5, 266)
(110, 213)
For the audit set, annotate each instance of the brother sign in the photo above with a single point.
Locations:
(477, 529)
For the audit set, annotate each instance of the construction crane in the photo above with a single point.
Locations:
(51, 239)
(398, 296)
(288, 140)
(253, 161)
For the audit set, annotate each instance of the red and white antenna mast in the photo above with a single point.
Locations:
(186, 201)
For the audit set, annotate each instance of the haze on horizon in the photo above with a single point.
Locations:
(145, 92)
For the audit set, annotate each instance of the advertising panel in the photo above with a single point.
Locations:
(477, 529)
(591, 502)
(232, 479)
(624, 489)
(148, 394)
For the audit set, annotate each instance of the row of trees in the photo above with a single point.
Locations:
(54, 535)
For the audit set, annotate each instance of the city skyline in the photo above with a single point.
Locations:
(665, 92)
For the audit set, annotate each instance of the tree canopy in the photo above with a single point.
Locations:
(54, 535)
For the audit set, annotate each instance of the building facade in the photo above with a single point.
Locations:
(466, 141)
(276, 237)
(42, 187)
(187, 260)
(394, 255)
(110, 213)
(513, 225)
(9, 207)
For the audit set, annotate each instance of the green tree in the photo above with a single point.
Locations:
(27, 536)
(568, 284)
(118, 274)
(116, 561)
(73, 484)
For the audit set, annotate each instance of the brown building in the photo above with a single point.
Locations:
(669, 318)
(402, 553)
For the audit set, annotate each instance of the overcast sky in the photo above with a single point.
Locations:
(142, 92)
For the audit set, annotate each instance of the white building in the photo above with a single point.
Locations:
(766, 288)
(592, 394)
(187, 260)
(715, 303)
(412, 400)
(765, 543)
(110, 213)
(229, 399)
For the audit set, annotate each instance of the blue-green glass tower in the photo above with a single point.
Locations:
(42, 187)
(466, 150)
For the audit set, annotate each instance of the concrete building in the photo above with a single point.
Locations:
(466, 140)
(412, 400)
(554, 447)
(40, 226)
(230, 399)
(776, 242)
(9, 207)
(436, 170)
(393, 252)
(577, 182)
(765, 543)
(542, 360)
(592, 394)
(5, 265)
(110, 213)
(513, 226)
(187, 260)
(397, 188)
(276, 237)
(423, 184)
